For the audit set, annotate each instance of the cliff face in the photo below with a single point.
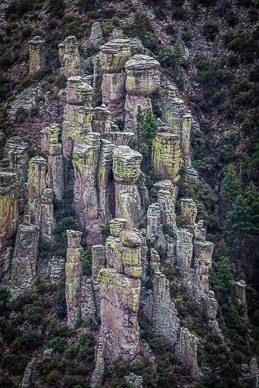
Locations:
(100, 213)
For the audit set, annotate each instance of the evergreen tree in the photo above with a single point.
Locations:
(230, 186)
(150, 128)
(252, 197)
(139, 118)
(220, 274)
(178, 54)
(238, 222)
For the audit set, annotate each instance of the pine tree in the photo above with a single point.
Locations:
(150, 128)
(252, 197)
(139, 118)
(178, 54)
(238, 222)
(230, 186)
(220, 275)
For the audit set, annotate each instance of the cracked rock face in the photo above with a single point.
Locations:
(114, 54)
(69, 56)
(37, 51)
(120, 293)
(96, 34)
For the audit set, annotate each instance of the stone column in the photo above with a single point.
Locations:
(69, 56)
(113, 56)
(120, 294)
(73, 276)
(37, 184)
(126, 171)
(143, 78)
(50, 143)
(96, 34)
(77, 115)
(188, 210)
(24, 263)
(9, 212)
(37, 51)
(166, 158)
(186, 138)
(47, 214)
(85, 162)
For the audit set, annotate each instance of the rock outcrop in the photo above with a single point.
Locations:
(113, 56)
(96, 34)
(37, 184)
(69, 56)
(120, 293)
(37, 51)
(143, 78)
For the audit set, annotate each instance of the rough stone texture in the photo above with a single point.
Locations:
(87, 304)
(50, 143)
(239, 291)
(188, 211)
(126, 171)
(113, 93)
(9, 214)
(102, 119)
(117, 34)
(143, 78)
(96, 34)
(37, 51)
(69, 56)
(134, 381)
(18, 157)
(73, 276)
(160, 309)
(47, 214)
(166, 158)
(27, 379)
(37, 184)
(98, 262)
(97, 376)
(120, 293)
(23, 274)
(114, 54)
(254, 371)
(85, 162)
(185, 138)
(118, 138)
(77, 115)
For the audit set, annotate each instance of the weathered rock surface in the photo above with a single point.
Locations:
(69, 56)
(96, 34)
(37, 51)
(37, 184)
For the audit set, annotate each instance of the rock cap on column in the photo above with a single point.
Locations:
(126, 164)
(79, 92)
(114, 54)
(130, 239)
(143, 75)
(73, 238)
(37, 41)
(189, 210)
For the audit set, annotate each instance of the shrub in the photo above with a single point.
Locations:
(53, 376)
(27, 31)
(179, 14)
(4, 298)
(28, 341)
(61, 81)
(210, 30)
(34, 110)
(116, 21)
(71, 352)
(21, 114)
(159, 345)
(232, 19)
(58, 344)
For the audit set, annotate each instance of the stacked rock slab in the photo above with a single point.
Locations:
(113, 56)
(37, 51)
(126, 171)
(18, 157)
(37, 184)
(160, 309)
(166, 155)
(77, 114)
(120, 294)
(24, 265)
(143, 78)
(69, 56)
(73, 276)
(9, 212)
(50, 143)
(96, 34)
(47, 214)
(85, 162)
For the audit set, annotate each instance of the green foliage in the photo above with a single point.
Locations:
(252, 198)
(58, 344)
(210, 30)
(87, 262)
(27, 341)
(71, 352)
(34, 110)
(21, 114)
(61, 299)
(159, 345)
(57, 8)
(220, 274)
(237, 223)
(230, 186)
(150, 129)
(4, 298)
(97, 97)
